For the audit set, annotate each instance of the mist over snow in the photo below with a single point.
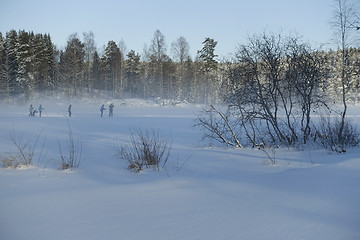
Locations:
(204, 192)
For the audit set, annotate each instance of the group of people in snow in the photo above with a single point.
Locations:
(33, 111)
(111, 110)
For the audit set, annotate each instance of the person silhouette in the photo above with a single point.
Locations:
(40, 110)
(69, 110)
(111, 110)
(102, 108)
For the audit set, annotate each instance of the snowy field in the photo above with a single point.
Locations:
(204, 192)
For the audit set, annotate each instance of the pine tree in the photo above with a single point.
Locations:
(188, 81)
(170, 84)
(206, 56)
(72, 65)
(96, 72)
(111, 66)
(49, 62)
(132, 73)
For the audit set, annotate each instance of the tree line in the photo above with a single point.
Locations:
(31, 63)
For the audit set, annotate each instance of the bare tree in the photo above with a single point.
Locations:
(157, 56)
(122, 46)
(89, 45)
(89, 48)
(345, 21)
(219, 126)
(158, 46)
(263, 86)
(305, 75)
(180, 50)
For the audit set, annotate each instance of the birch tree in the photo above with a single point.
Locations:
(345, 21)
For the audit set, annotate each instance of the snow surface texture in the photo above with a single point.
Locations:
(204, 192)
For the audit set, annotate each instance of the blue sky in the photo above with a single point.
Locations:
(229, 22)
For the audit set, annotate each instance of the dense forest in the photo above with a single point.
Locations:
(30, 63)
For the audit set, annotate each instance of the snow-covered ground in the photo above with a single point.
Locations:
(204, 192)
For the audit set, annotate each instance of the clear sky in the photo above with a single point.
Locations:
(229, 22)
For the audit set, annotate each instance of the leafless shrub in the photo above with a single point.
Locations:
(272, 157)
(25, 150)
(327, 134)
(146, 149)
(10, 161)
(73, 158)
(218, 126)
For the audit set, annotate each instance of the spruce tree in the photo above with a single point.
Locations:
(11, 62)
(23, 56)
(112, 63)
(72, 65)
(132, 73)
(95, 72)
(3, 82)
